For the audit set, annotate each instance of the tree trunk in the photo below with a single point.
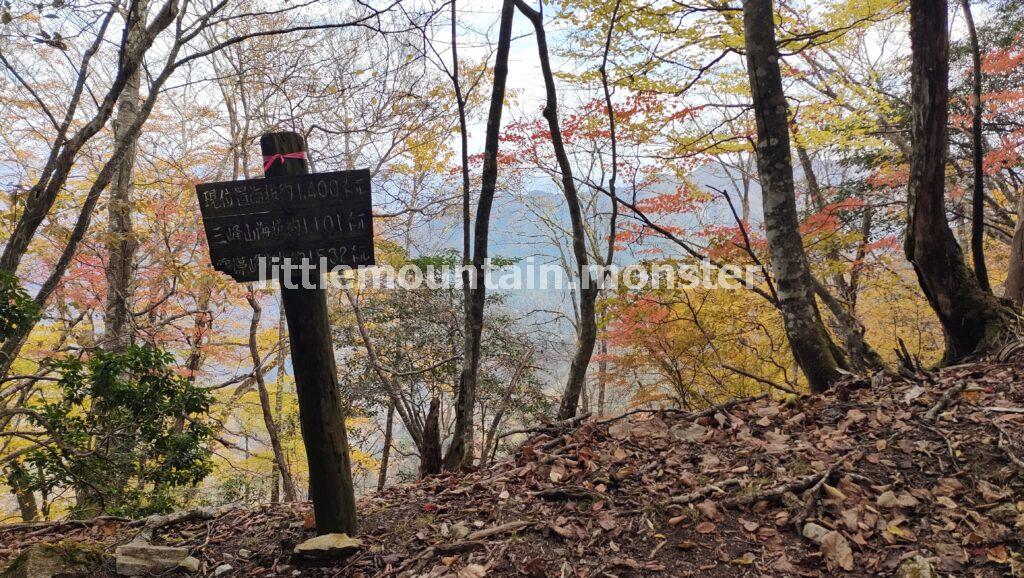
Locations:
(460, 452)
(27, 505)
(861, 356)
(978, 150)
(818, 358)
(491, 437)
(971, 318)
(282, 337)
(430, 449)
(602, 378)
(1014, 287)
(586, 335)
(385, 454)
(268, 416)
(121, 242)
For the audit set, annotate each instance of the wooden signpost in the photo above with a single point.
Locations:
(292, 214)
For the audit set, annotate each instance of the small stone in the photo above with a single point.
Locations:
(916, 567)
(814, 532)
(190, 564)
(243, 553)
(222, 569)
(328, 546)
(228, 557)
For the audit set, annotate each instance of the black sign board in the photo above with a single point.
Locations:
(303, 217)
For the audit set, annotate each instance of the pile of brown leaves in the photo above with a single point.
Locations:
(848, 484)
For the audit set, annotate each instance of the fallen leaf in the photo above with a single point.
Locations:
(557, 473)
(997, 554)
(472, 571)
(890, 499)
(837, 550)
(706, 528)
(992, 492)
(708, 509)
(835, 493)
(563, 531)
(744, 560)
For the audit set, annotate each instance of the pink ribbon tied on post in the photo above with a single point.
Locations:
(268, 161)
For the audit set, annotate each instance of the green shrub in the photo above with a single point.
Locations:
(125, 430)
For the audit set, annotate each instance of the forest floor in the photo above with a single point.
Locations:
(849, 484)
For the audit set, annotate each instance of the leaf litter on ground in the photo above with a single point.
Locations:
(853, 483)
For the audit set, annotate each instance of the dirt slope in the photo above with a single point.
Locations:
(847, 485)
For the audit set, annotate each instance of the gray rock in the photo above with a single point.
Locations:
(243, 553)
(66, 559)
(328, 546)
(916, 567)
(222, 569)
(814, 532)
(190, 564)
(141, 558)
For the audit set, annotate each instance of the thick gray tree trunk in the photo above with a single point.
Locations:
(819, 359)
(121, 241)
(117, 317)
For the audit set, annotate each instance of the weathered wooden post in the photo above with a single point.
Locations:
(324, 219)
(321, 414)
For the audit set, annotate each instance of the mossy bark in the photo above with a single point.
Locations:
(812, 347)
